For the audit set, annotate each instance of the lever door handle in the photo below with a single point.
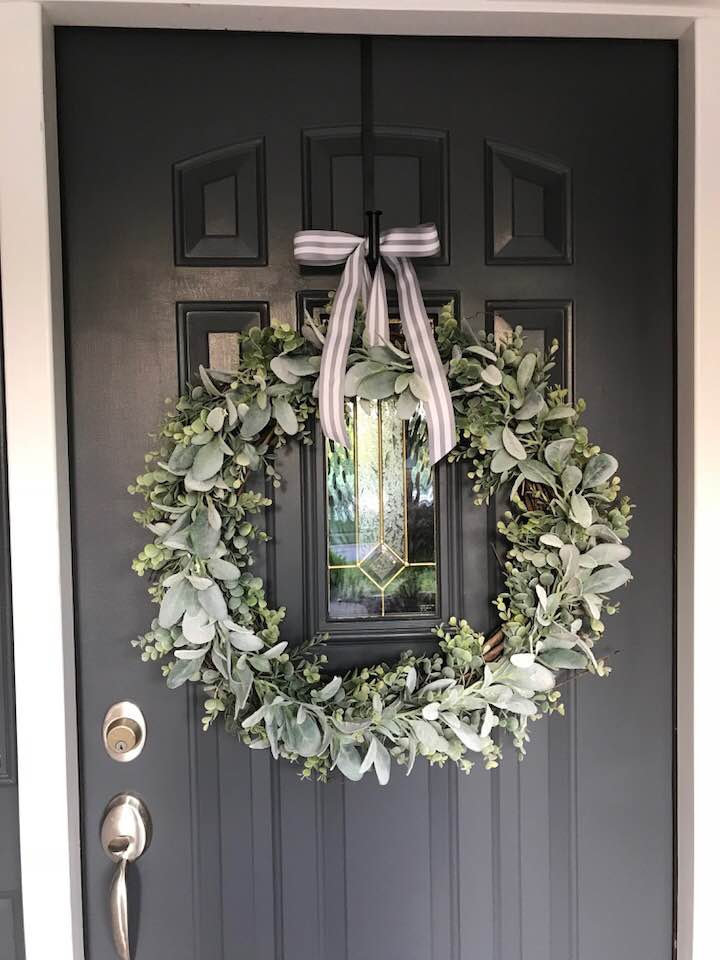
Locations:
(125, 835)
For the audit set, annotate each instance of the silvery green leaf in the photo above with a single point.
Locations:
(481, 352)
(526, 369)
(177, 541)
(351, 726)
(550, 540)
(489, 722)
(491, 375)
(570, 478)
(200, 439)
(175, 602)
(182, 457)
(558, 659)
(580, 510)
(280, 368)
(383, 354)
(561, 412)
(411, 679)
(535, 677)
(200, 583)
(382, 763)
(216, 419)
(557, 452)
(609, 553)
(592, 604)
(285, 416)
(302, 366)
(378, 386)
(198, 486)
(208, 462)
(241, 683)
(191, 653)
(603, 532)
(207, 383)
(431, 710)
(244, 640)
(231, 412)
(261, 399)
(254, 421)
(465, 733)
(419, 387)
(329, 690)
(412, 753)
(260, 663)
(181, 671)
(406, 405)
(213, 515)
(273, 652)
(537, 472)
(502, 461)
(532, 405)
(607, 579)
(599, 470)
(348, 762)
(429, 737)
(256, 717)
(443, 684)
(401, 383)
(223, 569)
(369, 757)
(512, 445)
(203, 537)
(221, 660)
(525, 427)
(358, 372)
(522, 659)
(307, 736)
(196, 629)
(174, 578)
(213, 602)
(521, 705)
(558, 636)
(541, 595)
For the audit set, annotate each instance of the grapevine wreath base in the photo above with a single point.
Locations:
(564, 530)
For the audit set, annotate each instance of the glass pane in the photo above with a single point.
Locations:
(380, 517)
(224, 351)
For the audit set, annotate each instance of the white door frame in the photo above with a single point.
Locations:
(37, 421)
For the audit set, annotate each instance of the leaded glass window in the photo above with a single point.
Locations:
(381, 530)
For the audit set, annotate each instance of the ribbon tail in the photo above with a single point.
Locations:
(336, 349)
(377, 322)
(426, 359)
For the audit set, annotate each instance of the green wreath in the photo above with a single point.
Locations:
(564, 528)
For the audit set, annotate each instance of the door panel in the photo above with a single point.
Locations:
(188, 161)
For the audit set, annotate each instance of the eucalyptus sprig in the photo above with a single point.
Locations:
(564, 528)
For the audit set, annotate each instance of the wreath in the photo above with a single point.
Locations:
(516, 433)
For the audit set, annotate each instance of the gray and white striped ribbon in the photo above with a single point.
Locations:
(397, 246)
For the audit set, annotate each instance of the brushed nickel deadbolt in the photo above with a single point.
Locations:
(124, 731)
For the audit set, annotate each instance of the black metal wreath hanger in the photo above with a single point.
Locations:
(367, 145)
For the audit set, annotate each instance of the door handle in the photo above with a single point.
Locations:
(125, 835)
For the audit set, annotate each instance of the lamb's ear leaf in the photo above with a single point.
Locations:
(349, 762)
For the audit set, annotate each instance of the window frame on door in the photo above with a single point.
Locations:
(37, 418)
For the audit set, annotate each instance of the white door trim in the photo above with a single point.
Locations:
(36, 402)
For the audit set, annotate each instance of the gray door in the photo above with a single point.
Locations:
(188, 160)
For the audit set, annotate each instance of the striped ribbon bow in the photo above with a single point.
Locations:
(397, 245)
